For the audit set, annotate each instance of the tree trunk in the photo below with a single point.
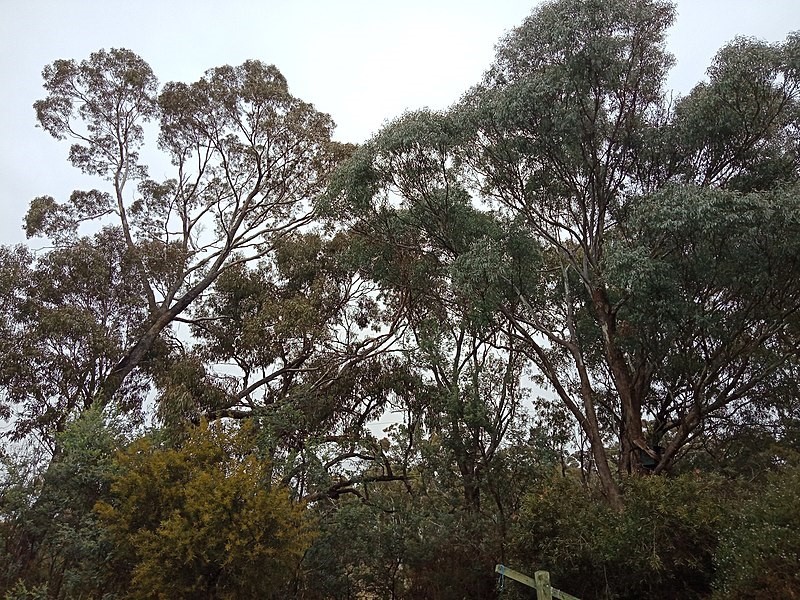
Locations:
(631, 435)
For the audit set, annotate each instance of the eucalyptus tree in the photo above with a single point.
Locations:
(648, 298)
(572, 133)
(299, 344)
(246, 159)
(67, 317)
(416, 235)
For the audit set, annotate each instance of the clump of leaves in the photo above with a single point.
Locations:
(759, 553)
(661, 545)
(202, 519)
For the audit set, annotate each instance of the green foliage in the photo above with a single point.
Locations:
(576, 80)
(660, 546)
(52, 539)
(759, 552)
(67, 317)
(562, 225)
(713, 273)
(21, 592)
(399, 545)
(187, 389)
(203, 519)
(112, 93)
(412, 539)
(739, 128)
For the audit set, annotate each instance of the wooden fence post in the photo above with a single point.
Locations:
(540, 582)
(543, 589)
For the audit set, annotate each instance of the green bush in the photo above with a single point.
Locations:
(660, 546)
(759, 552)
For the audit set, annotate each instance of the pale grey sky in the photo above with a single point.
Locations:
(362, 61)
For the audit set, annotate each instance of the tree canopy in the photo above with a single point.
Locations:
(553, 326)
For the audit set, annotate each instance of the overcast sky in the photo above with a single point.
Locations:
(361, 61)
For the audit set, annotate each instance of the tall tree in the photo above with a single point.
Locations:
(418, 237)
(572, 134)
(624, 200)
(247, 158)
